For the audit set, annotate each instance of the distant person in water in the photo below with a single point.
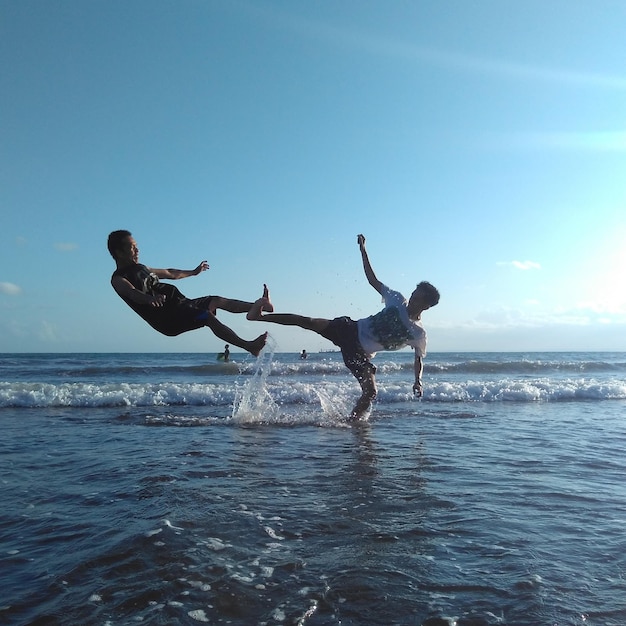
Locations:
(162, 305)
(226, 353)
(303, 354)
(397, 325)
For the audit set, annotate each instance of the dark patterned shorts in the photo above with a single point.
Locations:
(343, 332)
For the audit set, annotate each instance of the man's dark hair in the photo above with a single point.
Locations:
(432, 293)
(115, 240)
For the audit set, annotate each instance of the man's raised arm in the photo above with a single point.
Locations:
(369, 272)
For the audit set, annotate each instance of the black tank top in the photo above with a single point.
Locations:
(140, 277)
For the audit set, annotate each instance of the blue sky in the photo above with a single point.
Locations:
(477, 144)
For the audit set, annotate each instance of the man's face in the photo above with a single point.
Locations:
(417, 302)
(128, 252)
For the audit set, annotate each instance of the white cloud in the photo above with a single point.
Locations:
(66, 247)
(521, 265)
(510, 318)
(10, 289)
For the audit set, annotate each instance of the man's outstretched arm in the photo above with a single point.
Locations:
(174, 274)
(369, 272)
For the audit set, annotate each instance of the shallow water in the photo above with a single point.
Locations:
(433, 512)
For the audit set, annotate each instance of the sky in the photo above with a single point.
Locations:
(477, 144)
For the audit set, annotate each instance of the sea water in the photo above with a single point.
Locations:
(177, 489)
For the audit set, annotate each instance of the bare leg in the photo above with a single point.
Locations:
(316, 324)
(230, 305)
(240, 306)
(228, 335)
(363, 404)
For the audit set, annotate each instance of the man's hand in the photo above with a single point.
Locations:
(158, 300)
(201, 268)
(417, 389)
(360, 240)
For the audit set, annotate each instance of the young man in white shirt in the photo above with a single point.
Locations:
(396, 326)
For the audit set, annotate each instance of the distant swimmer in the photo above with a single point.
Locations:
(224, 356)
(163, 306)
(397, 325)
(303, 354)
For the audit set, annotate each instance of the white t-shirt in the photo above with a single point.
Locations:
(391, 328)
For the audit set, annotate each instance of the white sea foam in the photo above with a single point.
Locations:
(272, 533)
(198, 584)
(199, 615)
(261, 400)
(216, 544)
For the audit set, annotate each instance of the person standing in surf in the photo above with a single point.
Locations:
(397, 325)
(163, 306)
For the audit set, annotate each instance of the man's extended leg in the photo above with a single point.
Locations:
(228, 335)
(316, 324)
(240, 306)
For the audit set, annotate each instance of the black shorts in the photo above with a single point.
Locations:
(344, 333)
(182, 316)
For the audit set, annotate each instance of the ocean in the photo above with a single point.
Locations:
(176, 489)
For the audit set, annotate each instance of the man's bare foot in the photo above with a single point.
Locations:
(255, 346)
(268, 307)
(255, 310)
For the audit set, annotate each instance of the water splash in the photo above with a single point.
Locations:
(253, 402)
(335, 407)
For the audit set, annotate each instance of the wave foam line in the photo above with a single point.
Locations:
(39, 395)
(261, 395)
